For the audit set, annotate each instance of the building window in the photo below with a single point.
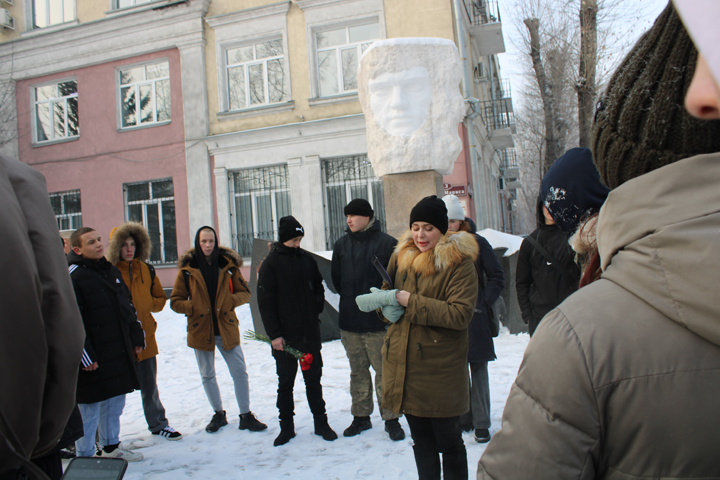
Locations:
(256, 75)
(153, 204)
(52, 12)
(347, 178)
(259, 198)
(131, 3)
(338, 54)
(68, 211)
(145, 94)
(56, 111)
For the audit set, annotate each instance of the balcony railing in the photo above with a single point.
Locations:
(508, 158)
(502, 89)
(498, 114)
(482, 12)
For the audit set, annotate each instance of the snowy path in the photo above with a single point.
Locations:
(232, 453)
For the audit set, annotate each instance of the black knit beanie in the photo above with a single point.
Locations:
(359, 206)
(572, 189)
(289, 229)
(641, 123)
(431, 210)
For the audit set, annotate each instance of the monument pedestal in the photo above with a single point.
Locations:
(402, 191)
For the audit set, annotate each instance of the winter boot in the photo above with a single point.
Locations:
(218, 421)
(248, 421)
(358, 425)
(394, 430)
(287, 431)
(482, 435)
(323, 429)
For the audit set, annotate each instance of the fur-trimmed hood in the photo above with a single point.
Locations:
(188, 258)
(118, 235)
(450, 250)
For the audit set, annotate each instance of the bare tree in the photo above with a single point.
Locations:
(587, 70)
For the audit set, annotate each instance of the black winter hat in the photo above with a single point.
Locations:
(641, 123)
(431, 210)
(289, 229)
(359, 206)
(572, 188)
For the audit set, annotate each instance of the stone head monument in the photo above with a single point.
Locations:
(410, 95)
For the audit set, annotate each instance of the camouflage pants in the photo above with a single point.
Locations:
(363, 351)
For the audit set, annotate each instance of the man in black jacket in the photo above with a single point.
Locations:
(362, 333)
(291, 297)
(113, 335)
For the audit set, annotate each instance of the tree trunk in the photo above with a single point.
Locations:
(588, 63)
(551, 154)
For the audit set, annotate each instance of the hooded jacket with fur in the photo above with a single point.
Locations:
(425, 353)
(232, 291)
(622, 380)
(147, 292)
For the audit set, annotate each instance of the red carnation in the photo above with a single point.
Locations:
(306, 361)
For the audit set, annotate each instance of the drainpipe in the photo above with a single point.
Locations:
(465, 57)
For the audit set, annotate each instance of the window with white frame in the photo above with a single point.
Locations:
(56, 111)
(131, 3)
(259, 198)
(67, 208)
(338, 54)
(347, 178)
(256, 75)
(145, 94)
(52, 12)
(152, 203)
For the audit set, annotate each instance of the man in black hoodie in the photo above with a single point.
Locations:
(113, 334)
(291, 297)
(362, 333)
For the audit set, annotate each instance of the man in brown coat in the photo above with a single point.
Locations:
(622, 380)
(207, 290)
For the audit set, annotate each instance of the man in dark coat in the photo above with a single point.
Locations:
(291, 296)
(42, 337)
(113, 335)
(362, 333)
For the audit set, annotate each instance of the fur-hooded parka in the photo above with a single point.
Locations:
(147, 292)
(425, 351)
(232, 291)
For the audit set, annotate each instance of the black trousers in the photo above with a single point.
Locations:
(287, 367)
(435, 436)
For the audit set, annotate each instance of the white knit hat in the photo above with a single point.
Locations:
(454, 210)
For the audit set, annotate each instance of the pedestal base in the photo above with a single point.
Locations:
(402, 191)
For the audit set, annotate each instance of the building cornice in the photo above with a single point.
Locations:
(310, 4)
(167, 25)
(248, 14)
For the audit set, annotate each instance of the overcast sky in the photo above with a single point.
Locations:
(641, 15)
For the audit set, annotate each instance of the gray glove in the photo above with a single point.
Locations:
(393, 313)
(377, 299)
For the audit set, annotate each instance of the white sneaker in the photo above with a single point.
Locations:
(120, 452)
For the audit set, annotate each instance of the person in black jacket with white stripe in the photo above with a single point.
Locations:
(113, 335)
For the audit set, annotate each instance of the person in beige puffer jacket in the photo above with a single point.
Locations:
(622, 380)
(129, 250)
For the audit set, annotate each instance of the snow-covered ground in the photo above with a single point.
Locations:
(232, 453)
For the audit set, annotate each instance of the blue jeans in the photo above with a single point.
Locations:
(103, 417)
(236, 365)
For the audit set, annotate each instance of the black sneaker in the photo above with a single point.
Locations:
(358, 425)
(394, 430)
(218, 421)
(169, 433)
(248, 421)
(68, 452)
(482, 435)
(323, 429)
(285, 435)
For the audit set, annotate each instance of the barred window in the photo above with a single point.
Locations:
(259, 198)
(347, 178)
(67, 208)
(152, 203)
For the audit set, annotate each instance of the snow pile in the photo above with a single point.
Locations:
(232, 453)
(502, 240)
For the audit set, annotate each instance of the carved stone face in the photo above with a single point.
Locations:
(400, 100)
